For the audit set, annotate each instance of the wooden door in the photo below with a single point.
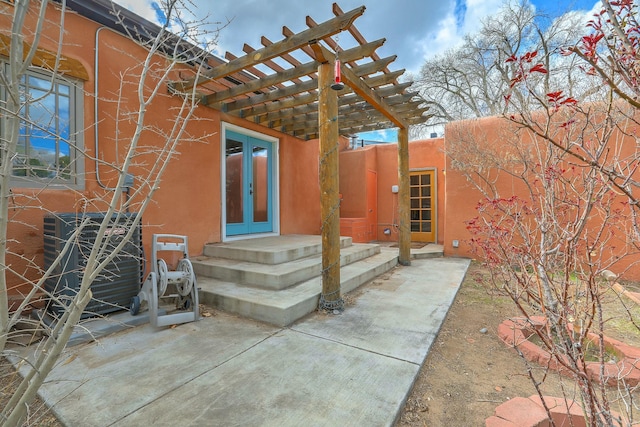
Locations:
(423, 194)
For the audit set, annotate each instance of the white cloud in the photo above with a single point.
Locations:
(444, 38)
(450, 29)
(477, 11)
(140, 7)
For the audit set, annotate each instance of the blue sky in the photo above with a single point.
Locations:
(414, 29)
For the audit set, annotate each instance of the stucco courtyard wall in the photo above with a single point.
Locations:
(383, 160)
(498, 136)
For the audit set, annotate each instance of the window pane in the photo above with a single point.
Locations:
(64, 89)
(36, 82)
(63, 161)
(44, 146)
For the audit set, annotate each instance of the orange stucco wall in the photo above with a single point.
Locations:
(299, 187)
(383, 159)
(353, 167)
(462, 197)
(188, 201)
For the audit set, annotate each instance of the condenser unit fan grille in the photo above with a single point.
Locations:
(115, 286)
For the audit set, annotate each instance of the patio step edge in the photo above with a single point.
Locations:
(276, 277)
(271, 250)
(284, 307)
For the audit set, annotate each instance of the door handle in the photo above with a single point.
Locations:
(251, 189)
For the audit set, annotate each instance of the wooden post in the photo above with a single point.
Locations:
(404, 208)
(330, 299)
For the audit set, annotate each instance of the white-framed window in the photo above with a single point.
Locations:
(50, 144)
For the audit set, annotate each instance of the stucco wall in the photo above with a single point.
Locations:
(497, 137)
(299, 187)
(383, 159)
(353, 167)
(188, 201)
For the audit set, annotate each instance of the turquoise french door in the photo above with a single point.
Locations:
(249, 184)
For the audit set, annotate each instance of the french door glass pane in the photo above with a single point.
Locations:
(234, 161)
(260, 184)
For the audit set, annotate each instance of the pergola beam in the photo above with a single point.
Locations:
(326, 29)
(274, 111)
(287, 99)
(351, 109)
(360, 87)
(366, 92)
(277, 78)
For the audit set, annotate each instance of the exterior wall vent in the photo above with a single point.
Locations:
(117, 283)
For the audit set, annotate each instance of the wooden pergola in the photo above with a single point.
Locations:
(286, 85)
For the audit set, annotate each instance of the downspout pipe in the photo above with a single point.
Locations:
(96, 80)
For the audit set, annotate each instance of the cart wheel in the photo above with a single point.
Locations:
(185, 285)
(183, 303)
(135, 305)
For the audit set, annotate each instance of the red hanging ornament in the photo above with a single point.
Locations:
(337, 80)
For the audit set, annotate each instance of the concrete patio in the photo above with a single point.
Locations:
(355, 368)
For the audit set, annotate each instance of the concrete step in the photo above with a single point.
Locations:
(270, 250)
(275, 276)
(429, 251)
(283, 307)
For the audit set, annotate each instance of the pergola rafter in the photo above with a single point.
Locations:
(276, 87)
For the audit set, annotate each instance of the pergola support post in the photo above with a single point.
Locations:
(404, 208)
(330, 299)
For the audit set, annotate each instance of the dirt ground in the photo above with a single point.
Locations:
(38, 413)
(469, 371)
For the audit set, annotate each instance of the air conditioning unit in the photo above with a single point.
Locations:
(115, 286)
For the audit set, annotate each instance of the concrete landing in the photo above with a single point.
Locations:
(355, 368)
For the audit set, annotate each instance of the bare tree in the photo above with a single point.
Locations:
(473, 79)
(146, 145)
(559, 219)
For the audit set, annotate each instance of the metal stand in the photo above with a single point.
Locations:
(182, 281)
